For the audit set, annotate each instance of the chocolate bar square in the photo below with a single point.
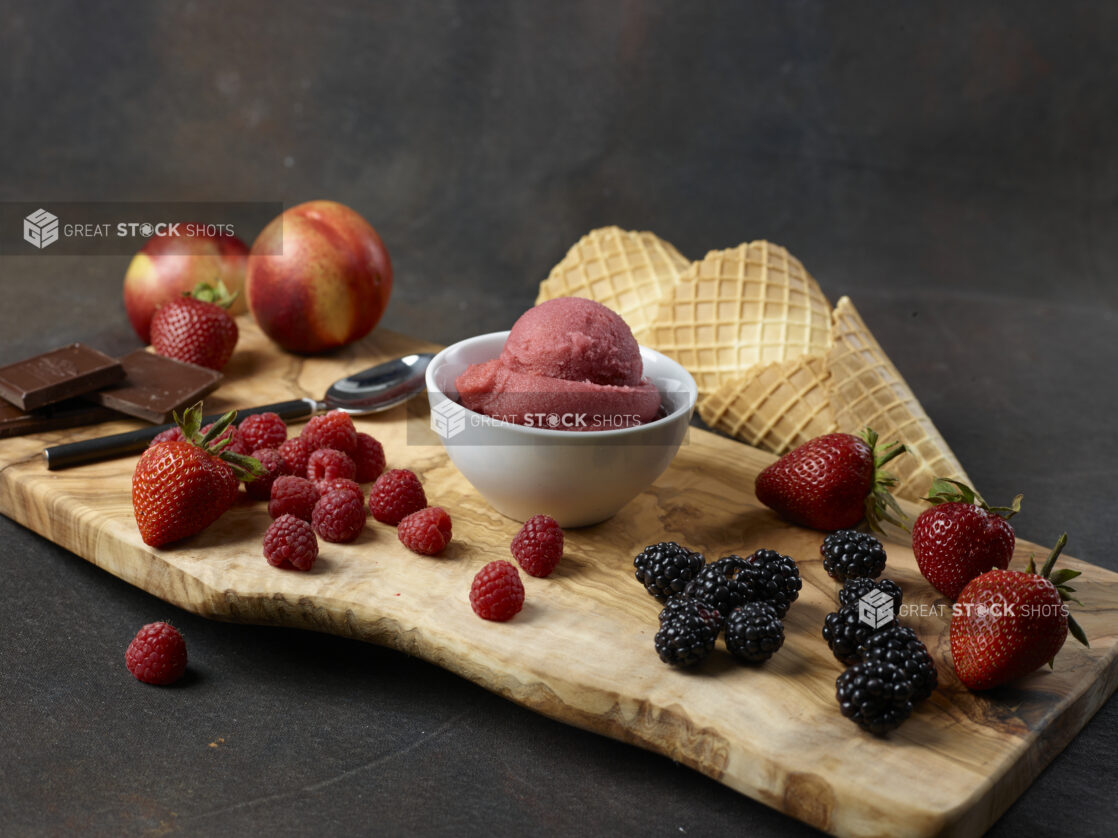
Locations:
(58, 375)
(154, 387)
(68, 414)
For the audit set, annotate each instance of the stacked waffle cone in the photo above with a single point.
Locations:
(627, 271)
(775, 364)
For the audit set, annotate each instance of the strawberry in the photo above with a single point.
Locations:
(181, 487)
(961, 536)
(1008, 623)
(196, 328)
(833, 482)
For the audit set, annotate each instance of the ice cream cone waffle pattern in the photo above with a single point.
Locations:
(775, 366)
(735, 309)
(628, 271)
(776, 406)
(865, 389)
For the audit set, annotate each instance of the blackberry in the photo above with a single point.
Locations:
(900, 646)
(844, 630)
(875, 694)
(665, 568)
(687, 632)
(684, 603)
(856, 587)
(722, 585)
(774, 579)
(852, 553)
(754, 632)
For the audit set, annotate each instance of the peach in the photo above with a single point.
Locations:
(169, 266)
(318, 277)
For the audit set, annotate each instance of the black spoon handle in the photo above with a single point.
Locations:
(120, 445)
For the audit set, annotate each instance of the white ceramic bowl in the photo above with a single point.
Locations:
(577, 477)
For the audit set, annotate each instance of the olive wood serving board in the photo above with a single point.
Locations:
(581, 650)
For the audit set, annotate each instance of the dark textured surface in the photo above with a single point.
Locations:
(954, 169)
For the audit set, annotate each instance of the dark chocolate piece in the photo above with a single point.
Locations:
(154, 387)
(58, 375)
(72, 413)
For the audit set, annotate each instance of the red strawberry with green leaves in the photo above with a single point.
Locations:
(1008, 623)
(961, 536)
(196, 328)
(833, 482)
(180, 487)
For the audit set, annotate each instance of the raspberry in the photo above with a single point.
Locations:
(369, 457)
(295, 454)
(538, 546)
(290, 542)
(335, 483)
(338, 517)
(263, 430)
(293, 495)
(261, 487)
(425, 532)
(331, 430)
(497, 592)
(329, 463)
(395, 495)
(157, 654)
(170, 435)
(237, 445)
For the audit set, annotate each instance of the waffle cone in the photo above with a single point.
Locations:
(736, 309)
(776, 407)
(628, 271)
(774, 365)
(866, 390)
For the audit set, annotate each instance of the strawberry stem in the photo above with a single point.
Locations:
(1058, 579)
(1077, 631)
(948, 490)
(893, 449)
(245, 468)
(190, 421)
(217, 429)
(1061, 543)
(881, 506)
(215, 293)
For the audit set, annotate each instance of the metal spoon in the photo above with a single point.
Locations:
(369, 391)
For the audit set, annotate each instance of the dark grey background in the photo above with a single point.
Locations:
(952, 167)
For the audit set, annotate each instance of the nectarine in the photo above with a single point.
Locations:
(167, 267)
(319, 277)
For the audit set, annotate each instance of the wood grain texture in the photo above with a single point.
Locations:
(581, 650)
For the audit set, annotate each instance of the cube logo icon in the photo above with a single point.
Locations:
(448, 419)
(875, 609)
(40, 228)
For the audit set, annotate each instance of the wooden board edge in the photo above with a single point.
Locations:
(699, 749)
